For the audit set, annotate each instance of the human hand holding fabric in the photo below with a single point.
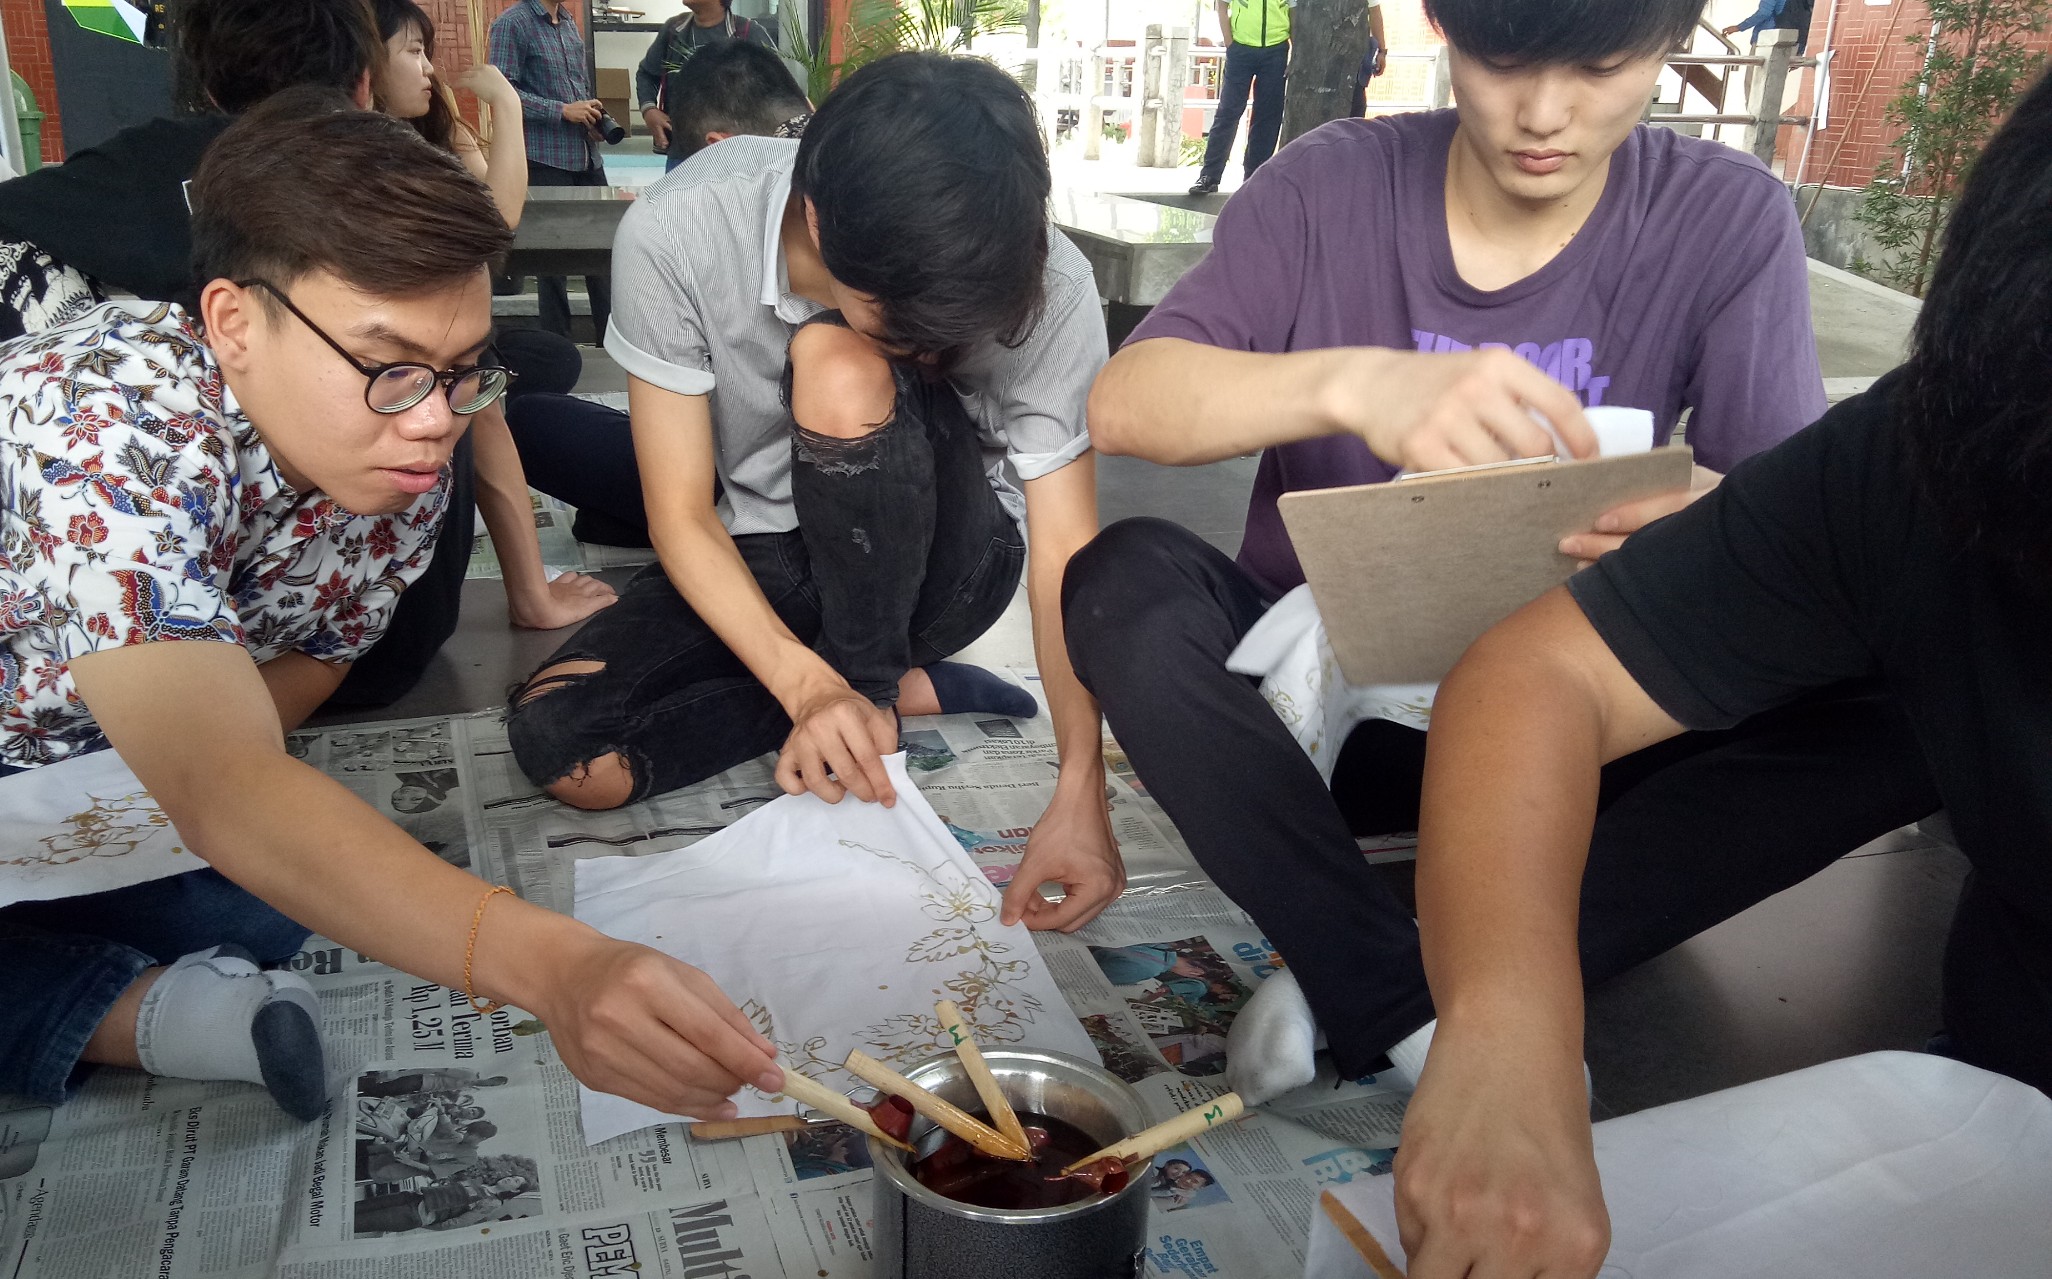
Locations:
(1072, 844)
(837, 744)
(1620, 522)
(1496, 1173)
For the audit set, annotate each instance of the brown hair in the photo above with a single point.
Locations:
(305, 182)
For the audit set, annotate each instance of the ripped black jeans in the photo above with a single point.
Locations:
(903, 555)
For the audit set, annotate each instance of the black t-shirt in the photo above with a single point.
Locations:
(1819, 561)
(117, 211)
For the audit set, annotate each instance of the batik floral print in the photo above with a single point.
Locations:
(138, 505)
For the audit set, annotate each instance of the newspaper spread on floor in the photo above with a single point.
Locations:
(454, 1147)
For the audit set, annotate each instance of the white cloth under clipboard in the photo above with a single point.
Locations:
(1289, 651)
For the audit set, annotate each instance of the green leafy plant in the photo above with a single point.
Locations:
(878, 28)
(1975, 63)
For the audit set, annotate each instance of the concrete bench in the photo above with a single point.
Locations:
(1137, 248)
(568, 231)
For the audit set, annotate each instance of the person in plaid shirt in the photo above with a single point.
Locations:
(538, 46)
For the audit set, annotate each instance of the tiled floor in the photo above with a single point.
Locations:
(1845, 963)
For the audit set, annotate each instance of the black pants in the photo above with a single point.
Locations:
(553, 291)
(583, 454)
(902, 556)
(1264, 70)
(1691, 831)
(426, 614)
(1357, 104)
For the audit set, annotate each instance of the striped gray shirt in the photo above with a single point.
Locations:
(702, 306)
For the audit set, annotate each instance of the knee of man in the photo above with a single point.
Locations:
(840, 385)
(1110, 585)
(605, 782)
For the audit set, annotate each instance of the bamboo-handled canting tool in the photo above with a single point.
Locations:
(959, 1032)
(811, 1092)
(1152, 1141)
(730, 1129)
(978, 1134)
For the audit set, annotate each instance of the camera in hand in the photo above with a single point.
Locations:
(609, 129)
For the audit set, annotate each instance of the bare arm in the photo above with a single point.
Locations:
(673, 442)
(1381, 41)
(1496, 1167)
(199, 725)
(532, 600)
(1184, 403)
(504, 167)
(298, 684)
(1225, 20)
(1072, 844)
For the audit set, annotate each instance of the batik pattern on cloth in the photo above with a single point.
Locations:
(38, 292)
(138, 504)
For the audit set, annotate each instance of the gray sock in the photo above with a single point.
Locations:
(1272, 1045)
(215, 1015)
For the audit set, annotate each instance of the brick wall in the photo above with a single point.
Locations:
(28, 51)
(1874, 59)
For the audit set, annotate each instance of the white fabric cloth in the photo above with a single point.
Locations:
(1301, 679)
(83, 825)
(833, 926)
(1888, 1166)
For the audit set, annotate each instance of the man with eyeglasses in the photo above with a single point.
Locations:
(208, 514)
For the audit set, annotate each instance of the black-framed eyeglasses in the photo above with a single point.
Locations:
(395, 388)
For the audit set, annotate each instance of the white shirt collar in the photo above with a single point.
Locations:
(776, 272)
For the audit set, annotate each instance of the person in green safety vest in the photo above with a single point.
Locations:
(1257, 36)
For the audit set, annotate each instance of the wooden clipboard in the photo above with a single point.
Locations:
(1408, 574)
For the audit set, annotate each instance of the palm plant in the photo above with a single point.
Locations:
(877, 28)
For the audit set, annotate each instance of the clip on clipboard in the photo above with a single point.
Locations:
(1408, 574)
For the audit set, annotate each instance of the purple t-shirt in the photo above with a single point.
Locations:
(1685, 288)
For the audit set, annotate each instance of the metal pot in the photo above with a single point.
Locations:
(923, 1235)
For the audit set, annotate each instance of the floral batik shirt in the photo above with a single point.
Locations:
(139, 505)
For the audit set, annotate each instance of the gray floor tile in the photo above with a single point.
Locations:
(1209, 500)
(1846, 962)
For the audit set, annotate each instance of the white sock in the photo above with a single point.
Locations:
(1272, 1044)
(1408, 1059)
(215, 1015)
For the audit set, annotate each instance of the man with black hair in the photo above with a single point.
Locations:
(729, 89)
(835, 522)
(211, 513)
(583, 452)
(703, 26)
(1903, 539)
(1408, 293)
